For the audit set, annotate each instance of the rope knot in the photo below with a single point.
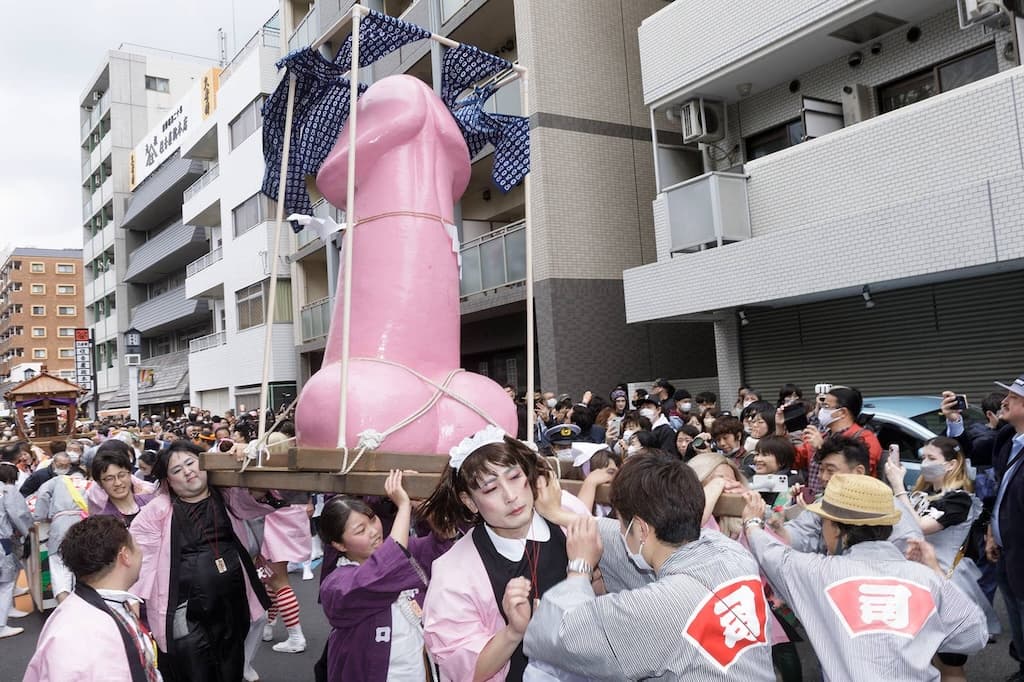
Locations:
(370, 439)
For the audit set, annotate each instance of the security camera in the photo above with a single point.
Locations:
(876, 48)
(855, 59)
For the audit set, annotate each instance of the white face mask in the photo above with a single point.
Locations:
(685, 407)
(647, 412)
(551, 402)
(61, 472)
(74, 457)
(933, 472)
(638, 558)
(827, 415)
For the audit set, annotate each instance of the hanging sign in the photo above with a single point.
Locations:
(83, 359)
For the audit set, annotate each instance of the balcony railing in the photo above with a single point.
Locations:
(211, 174)
(207, 342)
(707, 211)
(306, 31)
(204, 261)
(316, 319)
(494, 260)
(450, 7)
(268, 36)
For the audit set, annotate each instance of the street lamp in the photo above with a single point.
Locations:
(132, 350)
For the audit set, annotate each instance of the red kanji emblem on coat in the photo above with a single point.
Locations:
(731, 619)
(869, 605)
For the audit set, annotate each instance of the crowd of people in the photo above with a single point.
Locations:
(726, 535)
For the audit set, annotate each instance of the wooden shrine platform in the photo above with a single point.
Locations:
(316, 470)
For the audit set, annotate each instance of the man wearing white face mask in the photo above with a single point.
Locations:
(661, 429)
(686, 603)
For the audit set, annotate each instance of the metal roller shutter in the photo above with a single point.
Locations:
(959, 335)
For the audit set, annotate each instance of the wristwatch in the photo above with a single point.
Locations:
(580, 566)
(759, 522)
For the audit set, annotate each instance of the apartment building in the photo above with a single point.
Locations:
(592, 180)
(40, 308)
(848, 208)
(230, 277)
(131, 90)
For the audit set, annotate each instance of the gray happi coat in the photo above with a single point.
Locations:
(14, 518)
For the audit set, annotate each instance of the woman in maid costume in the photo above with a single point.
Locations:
(198, 579)
(508, 553)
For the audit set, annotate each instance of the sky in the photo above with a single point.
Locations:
(49, 52)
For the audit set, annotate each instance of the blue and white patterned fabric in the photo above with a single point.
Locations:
(321, 108)
(465, 65)
(512, 151)
(379, 36)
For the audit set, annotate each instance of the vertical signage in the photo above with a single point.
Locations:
(83, 359)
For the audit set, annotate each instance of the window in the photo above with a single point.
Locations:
(38, 311)
(65, 268)
(66, 310)
(39, 332)
(68, 374)
(775, 139)
(67, 353)
(158, 84)
(942, 77)
(247, 122)
(249, 302)
(250, 213)
(37, 267)
(38, 353)
(66, 332)
(65, 289)
(38, 289)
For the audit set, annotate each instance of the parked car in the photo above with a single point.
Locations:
(909, 421)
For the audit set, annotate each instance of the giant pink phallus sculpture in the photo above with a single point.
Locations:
(412, 165)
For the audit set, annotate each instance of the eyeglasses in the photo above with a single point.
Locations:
(122, 476)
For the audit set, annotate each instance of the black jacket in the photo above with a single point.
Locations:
(1011, 510)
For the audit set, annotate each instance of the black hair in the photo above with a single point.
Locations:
(852, 450)
(724, 426)
(681, 394)
(779, 447)
(445, 509)
(583, 418)
(706, 397)
(854, 535)
(148, 457)
(850, 398)
(689, 429)
(8, 473)
(788, 390)
(992, 402)
(163, 458)
(287, 427)
(760, 407)
(111, 453)
(664, 492)
(58, 446)
(335, 516)
(90, 547)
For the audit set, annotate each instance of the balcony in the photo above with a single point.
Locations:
(169, 310)
(200, 202)
(87, 210)
(306, 31)
(207, 342)
(159, 196)
(494, 260)
(450, 7)
(166, 253)
(763, 43)
(927, 210)
(203, 262)
(316, 319)
(268, 36)
(101, 286)
(96, 115)
(706, 211)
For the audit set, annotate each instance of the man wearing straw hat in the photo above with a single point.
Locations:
(870, 613)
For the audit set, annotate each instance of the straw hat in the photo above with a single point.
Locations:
(857, 500)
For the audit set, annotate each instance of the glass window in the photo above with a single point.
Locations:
(775, 139)
(38, 310)
(67, 353)
(65, 268)
(158, 84)
(37, 267)
(38, 288)
(66, 331)
(250, 213)
(248, 121)
(65, 289)
(38, 353)
(39, 332)
(66, 310)
(942, 77)
(249, 302)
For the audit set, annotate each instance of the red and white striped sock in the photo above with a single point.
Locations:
(287, 605)
(272, 611)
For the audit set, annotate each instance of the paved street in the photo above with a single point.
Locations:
(993, 664)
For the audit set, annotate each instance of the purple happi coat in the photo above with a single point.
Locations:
(357, 601)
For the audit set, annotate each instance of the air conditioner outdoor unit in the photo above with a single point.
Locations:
(132, 359)
(703, 120)
(991, 13)
(856, 103)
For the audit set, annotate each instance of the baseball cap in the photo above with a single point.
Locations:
(1017, 387)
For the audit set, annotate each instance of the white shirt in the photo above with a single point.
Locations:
(514, 548)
